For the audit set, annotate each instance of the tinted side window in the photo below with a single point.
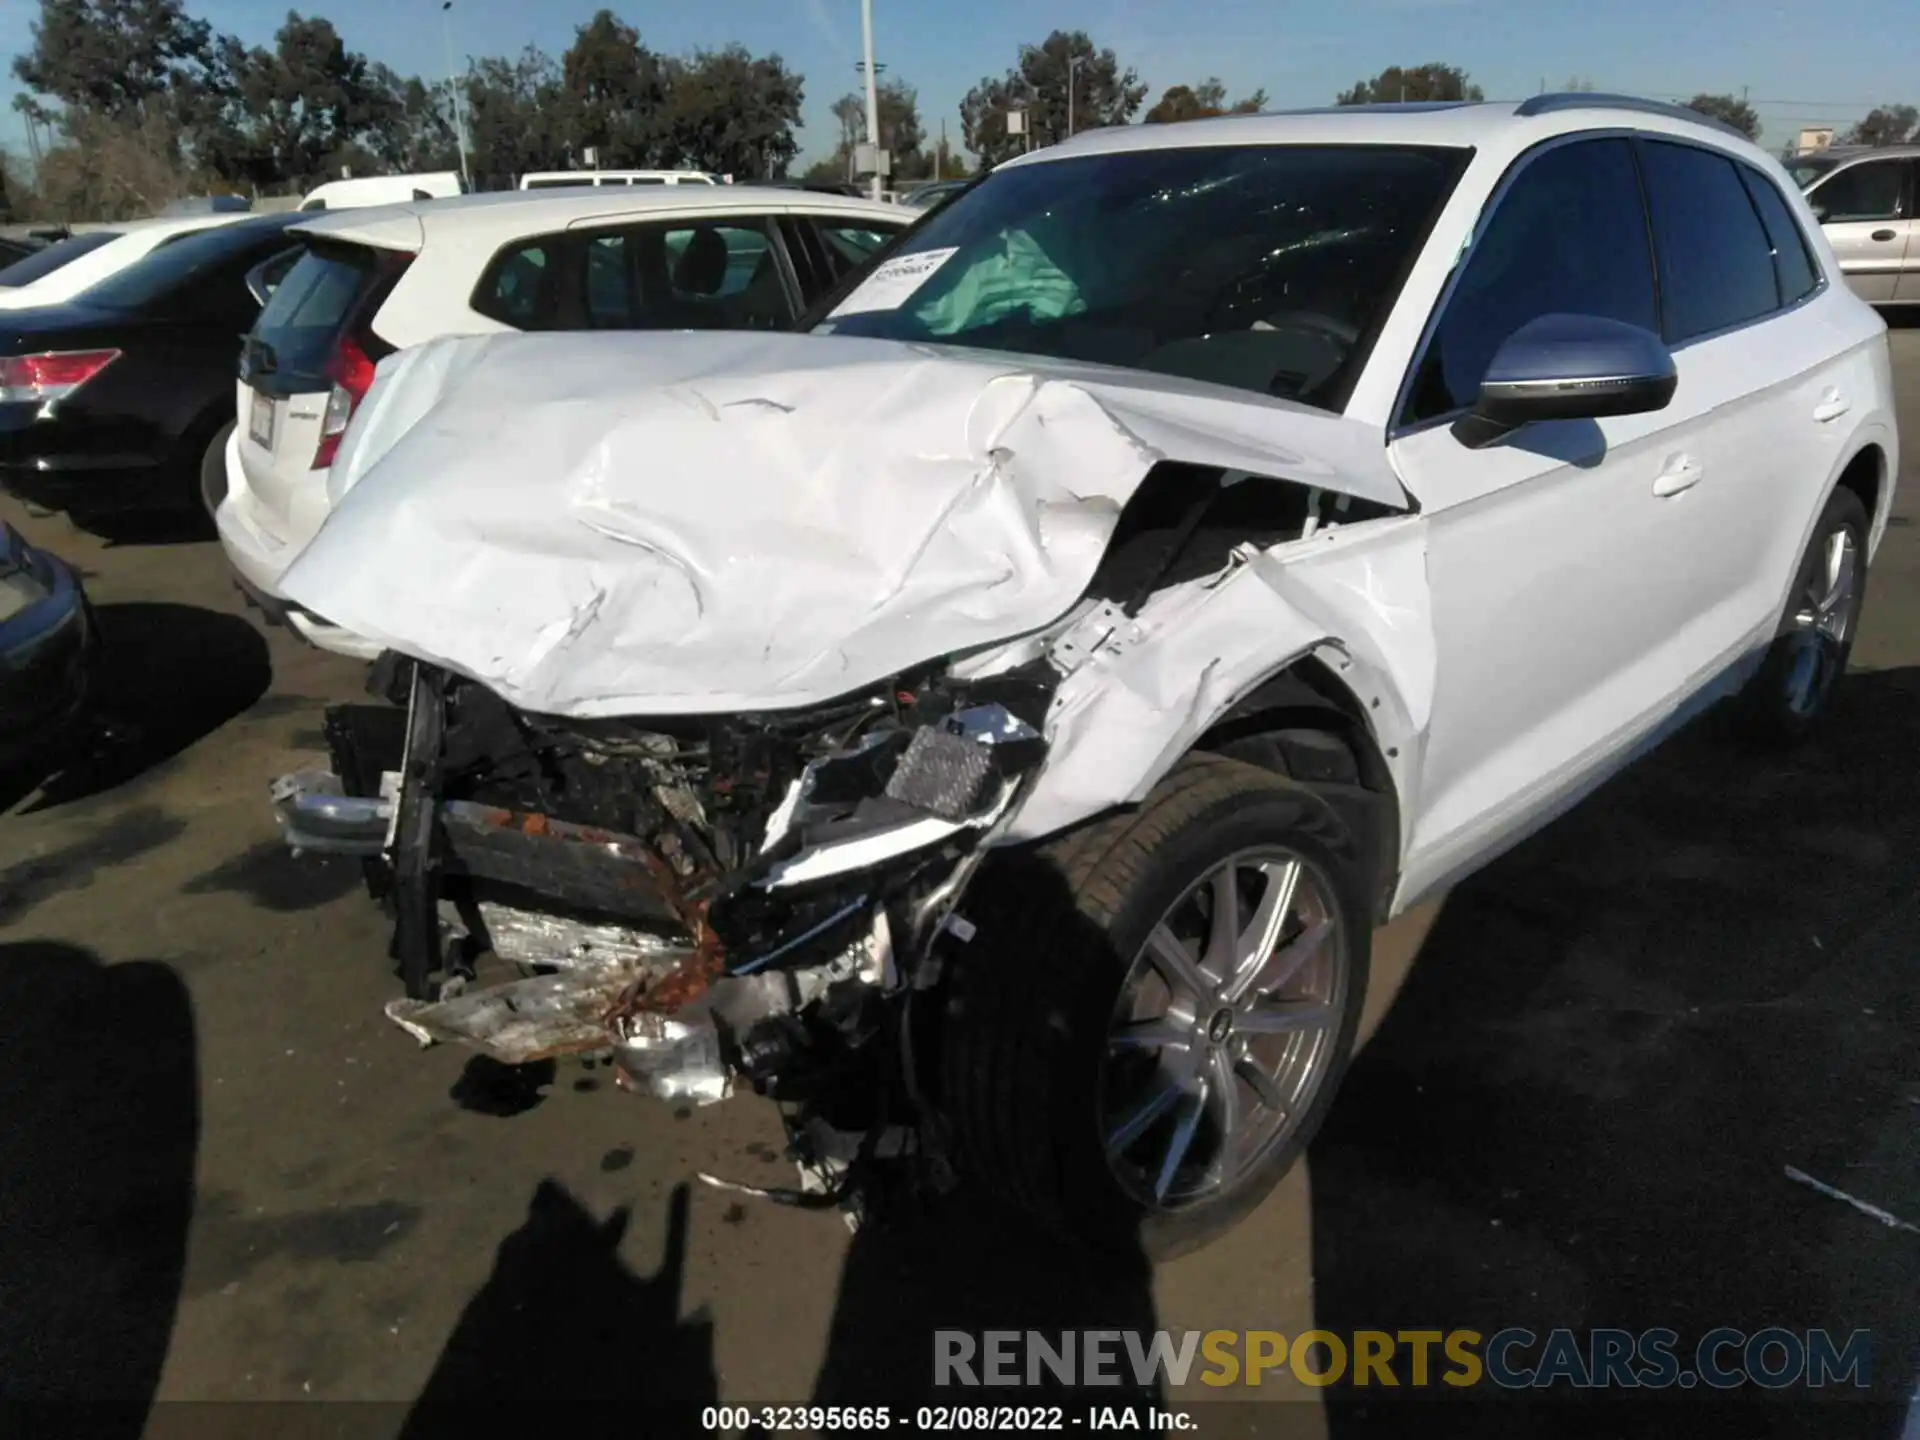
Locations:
(1568, 236)
(1792, 264)
(664, 276)
(1716, 264)
(848, 243)
(519, 288)
(1870, 191)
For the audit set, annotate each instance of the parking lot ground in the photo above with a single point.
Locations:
(225, 1176)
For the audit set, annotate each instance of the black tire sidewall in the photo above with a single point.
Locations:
(1282, 815)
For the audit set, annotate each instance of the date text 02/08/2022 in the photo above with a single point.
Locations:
(775, 1419)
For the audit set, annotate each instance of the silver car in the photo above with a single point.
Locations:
(1864, 200)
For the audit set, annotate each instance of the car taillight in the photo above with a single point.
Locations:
(54, 375)
(352, 375)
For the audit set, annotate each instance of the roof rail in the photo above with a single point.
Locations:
(1401, 107)
(1587, 100)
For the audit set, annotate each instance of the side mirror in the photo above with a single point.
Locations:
(1569, 367)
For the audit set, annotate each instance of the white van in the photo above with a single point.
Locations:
(364, 190)
(554, 179)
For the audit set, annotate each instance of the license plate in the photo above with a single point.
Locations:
(260, 420)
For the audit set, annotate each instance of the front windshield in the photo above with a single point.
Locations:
(1263, 267)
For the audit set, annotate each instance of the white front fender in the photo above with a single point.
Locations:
(1140, 697)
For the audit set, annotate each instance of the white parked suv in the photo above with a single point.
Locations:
(994, 722)
(376, 280)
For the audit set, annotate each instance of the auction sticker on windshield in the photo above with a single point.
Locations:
(893, 282)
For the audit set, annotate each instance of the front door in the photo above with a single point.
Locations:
(1565, 561)
(1866, 209)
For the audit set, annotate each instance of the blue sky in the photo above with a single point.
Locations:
(1808, 64)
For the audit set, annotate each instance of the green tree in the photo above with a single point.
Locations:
(616, 92)
(732, 111)
(1103, 94)
(114, 58)
(901, 133)
(1200, 102)
(517, 116)
(1886, 125)
(1728, 110)
(1432, 81)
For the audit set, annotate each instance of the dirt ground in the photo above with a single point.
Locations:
(224, 1176)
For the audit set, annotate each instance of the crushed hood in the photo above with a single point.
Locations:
(673, 523)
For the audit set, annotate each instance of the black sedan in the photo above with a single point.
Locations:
(46, 648)
(118, 400)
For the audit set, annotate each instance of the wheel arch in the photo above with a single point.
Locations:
(1281, 725)
(1866, 473)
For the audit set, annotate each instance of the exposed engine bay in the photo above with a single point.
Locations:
(718, 899)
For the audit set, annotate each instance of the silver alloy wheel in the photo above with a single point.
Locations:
(1822, 623)
(1225, 1029)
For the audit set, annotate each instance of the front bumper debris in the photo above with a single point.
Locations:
(316, 814)
(740, 900)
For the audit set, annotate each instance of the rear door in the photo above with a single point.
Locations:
(284, 381)
(1866, 209)
(1759, 369)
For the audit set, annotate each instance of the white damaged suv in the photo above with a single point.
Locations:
(993, 723)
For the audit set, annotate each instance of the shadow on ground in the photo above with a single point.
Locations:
(966, 1263)
(161, 527)
(562, 1323)
(167, 676)
(97, 1064)
(1578, 1111)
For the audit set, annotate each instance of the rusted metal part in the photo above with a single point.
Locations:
(607, 870)
(583, 865)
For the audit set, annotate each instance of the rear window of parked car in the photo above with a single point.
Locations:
(182, 270)
(43, 263)
(1716, 262)
(310, 306)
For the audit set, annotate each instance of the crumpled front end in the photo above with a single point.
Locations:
(707, 898)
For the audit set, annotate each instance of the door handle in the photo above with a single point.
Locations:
(1831, 407)
(1683, 472)
(1884, 235)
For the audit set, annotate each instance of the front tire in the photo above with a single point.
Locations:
(1126, 1058)
(1793, 688)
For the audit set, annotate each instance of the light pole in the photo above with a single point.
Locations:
(453, 90)
(873, 94)
(1074, 62)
